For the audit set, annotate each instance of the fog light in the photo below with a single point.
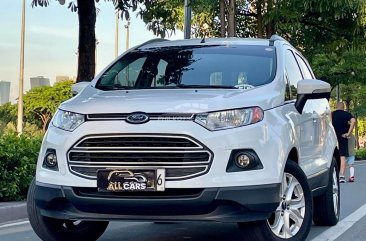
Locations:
(243, 160)
(51, 160)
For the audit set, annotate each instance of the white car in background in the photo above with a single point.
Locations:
(224, 130)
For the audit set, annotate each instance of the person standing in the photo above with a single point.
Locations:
(351, 157)
(343, 123)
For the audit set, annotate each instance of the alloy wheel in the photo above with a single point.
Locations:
(287, 220)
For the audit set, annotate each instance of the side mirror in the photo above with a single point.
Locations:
(78, 87)
(311, 89)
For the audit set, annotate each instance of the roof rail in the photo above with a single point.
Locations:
(275, 37)
(155, 40)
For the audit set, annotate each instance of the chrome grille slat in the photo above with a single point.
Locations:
(152, 116)
(134, 151)
(181, 156)
(140, 163)
(121, 140)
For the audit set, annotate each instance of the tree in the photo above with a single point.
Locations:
(8, 113)
(343, 67)
(163, 17)
(329, 33)
(354, 97)
(42, 102)
(87, 41)
(222, 18)
(87, 14)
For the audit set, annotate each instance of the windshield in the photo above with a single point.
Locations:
(239, 67)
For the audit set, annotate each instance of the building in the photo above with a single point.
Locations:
(60, 78)
(4, 92)
(39, 81)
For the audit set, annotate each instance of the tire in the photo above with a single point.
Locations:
(297, 200)
(327, 205)
(50, 229)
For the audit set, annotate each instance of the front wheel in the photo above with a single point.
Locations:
(292, 219)
(50, 229)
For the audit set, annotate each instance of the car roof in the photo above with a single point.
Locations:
(208, 41)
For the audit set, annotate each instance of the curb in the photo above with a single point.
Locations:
(11, 211)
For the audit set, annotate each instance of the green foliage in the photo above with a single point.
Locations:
(348, 67)
(354, 97)
(8, 113)
(124, 6)
(18, 157)
(361, 154)
(318, 25)
(28, 130)
(42, 102)
(361, 123)
(330, 34)
(10, 129)
(163, 17)
(39, 106)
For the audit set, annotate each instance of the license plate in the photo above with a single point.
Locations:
(131, 180)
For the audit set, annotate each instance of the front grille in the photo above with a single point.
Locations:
(180, 156)
(152, 116)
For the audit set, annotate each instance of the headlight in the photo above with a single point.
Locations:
(67, 120)
(229, 118)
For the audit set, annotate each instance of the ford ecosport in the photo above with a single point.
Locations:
(223, 130)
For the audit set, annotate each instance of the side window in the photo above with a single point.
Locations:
(293, 73)
(305, 68)
(129, 74)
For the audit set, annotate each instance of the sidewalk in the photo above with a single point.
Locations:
(11, 211)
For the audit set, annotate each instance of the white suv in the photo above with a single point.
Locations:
(225, 130)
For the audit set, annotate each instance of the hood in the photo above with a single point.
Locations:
(93, 101)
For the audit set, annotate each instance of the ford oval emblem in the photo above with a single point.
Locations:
(137, 118)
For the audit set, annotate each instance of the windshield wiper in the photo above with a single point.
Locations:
(113, 87)
(206, 86)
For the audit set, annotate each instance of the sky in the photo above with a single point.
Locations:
(51, 40)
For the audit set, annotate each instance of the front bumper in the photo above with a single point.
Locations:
(234, 204)
(258, 137)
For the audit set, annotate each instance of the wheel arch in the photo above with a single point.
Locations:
(293, 155)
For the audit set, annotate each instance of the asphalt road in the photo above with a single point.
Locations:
(351, 226)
